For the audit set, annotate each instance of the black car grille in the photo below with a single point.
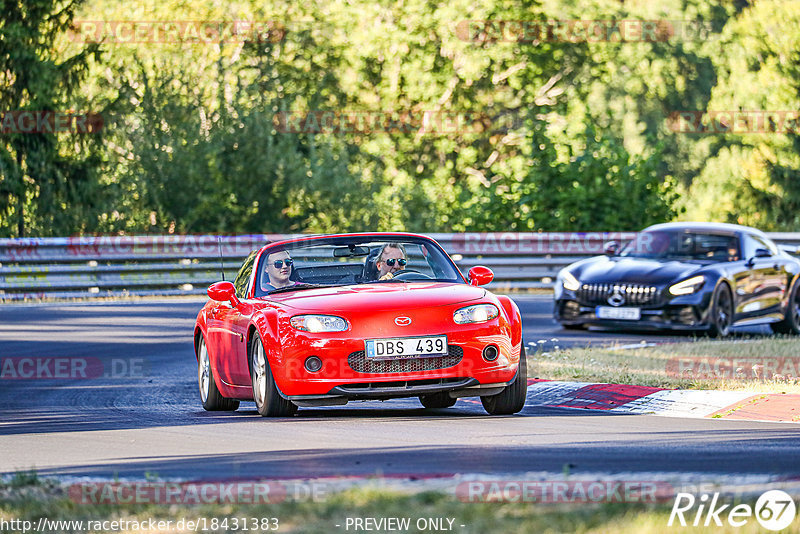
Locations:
(634, 294)
(358, 362)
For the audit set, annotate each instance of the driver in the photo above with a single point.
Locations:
(391, 260)
(279, 268)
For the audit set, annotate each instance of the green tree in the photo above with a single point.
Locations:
(45, 178)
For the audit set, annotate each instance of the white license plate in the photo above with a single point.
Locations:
(626, 314)
(405, 347)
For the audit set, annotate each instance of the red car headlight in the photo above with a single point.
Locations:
(319, 323)
(478, 313)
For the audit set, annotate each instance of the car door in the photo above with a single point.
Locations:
(228, 331)
(760, 288)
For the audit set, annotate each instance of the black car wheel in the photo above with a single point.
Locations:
(721, 312)
(269, 402)
(512, 398)
(437, 400)
(212, 399)
(791, 321)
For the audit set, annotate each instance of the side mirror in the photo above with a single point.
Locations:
(480, 275)
(223, 292)
(763, 253)
(611, 248)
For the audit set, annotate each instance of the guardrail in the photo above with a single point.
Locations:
(110, 266)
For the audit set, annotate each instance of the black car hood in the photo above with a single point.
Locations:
(605, 270)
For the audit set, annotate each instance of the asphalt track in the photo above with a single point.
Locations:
(145, 418)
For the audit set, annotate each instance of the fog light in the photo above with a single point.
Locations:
(490, 353)
(313, 364)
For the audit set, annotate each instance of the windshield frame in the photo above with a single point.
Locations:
(346, 240)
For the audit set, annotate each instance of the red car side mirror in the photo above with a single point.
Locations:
(480, 275)
(223, 292)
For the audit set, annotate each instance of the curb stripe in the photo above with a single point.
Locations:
(620, 398)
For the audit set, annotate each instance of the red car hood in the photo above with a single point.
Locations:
(386, 296)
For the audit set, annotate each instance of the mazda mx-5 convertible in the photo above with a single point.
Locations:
(323, 320)
(688, 276)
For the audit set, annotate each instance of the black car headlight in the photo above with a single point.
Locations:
(569, 281)
(688, 286)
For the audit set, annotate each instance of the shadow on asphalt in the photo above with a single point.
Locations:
(739, 452)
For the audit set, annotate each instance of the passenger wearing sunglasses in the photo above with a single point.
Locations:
(279, 268)
(391, 259)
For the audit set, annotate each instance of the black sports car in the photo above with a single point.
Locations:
(687, 276)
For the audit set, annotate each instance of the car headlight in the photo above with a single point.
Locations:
(569, 281)
(689, 286)
(479, 313)
(318, 323)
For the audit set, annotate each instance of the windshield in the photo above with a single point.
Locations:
(683, 245)
(351, 261)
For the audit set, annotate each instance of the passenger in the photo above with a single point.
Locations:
(391, 259)
(279, 269)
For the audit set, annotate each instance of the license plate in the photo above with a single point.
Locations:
(626, 314)
(405, 347)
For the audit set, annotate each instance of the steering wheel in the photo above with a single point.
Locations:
(403, 272)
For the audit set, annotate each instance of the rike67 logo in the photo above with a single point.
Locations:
(774, 510)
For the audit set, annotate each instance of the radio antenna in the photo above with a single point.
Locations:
(221, 265)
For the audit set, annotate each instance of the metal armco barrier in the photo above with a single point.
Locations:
(111, 266)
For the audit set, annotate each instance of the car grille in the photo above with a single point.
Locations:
(358, 362)
(635, 294)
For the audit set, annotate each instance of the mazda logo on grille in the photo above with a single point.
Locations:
(402, 321)
(617, 297)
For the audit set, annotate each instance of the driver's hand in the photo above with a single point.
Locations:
(387, 276)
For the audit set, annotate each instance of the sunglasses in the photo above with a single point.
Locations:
(390, 262)
(279, 263)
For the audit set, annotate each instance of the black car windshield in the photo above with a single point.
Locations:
(340, 261)
(683, 245)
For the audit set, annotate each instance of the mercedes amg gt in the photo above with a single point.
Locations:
(684, 276)
(324, 320)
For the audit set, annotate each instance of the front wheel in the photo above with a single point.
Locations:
(721, 312)
(791, 321)
(212, 399)
(269, 402)
(512, 398)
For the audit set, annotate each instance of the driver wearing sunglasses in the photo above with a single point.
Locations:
(391, 260)
(279, 268)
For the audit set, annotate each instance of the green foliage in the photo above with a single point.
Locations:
(754, 178)
(48, 182)
(564, 135)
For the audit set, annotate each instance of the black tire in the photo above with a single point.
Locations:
(791, 320)
(212, 399)
(437, 400)
(721, 317)
(269, 402)
(512, 398)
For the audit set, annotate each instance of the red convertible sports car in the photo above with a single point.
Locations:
(323, 320)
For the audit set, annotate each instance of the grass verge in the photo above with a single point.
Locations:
(426, 512)
(760, 364)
